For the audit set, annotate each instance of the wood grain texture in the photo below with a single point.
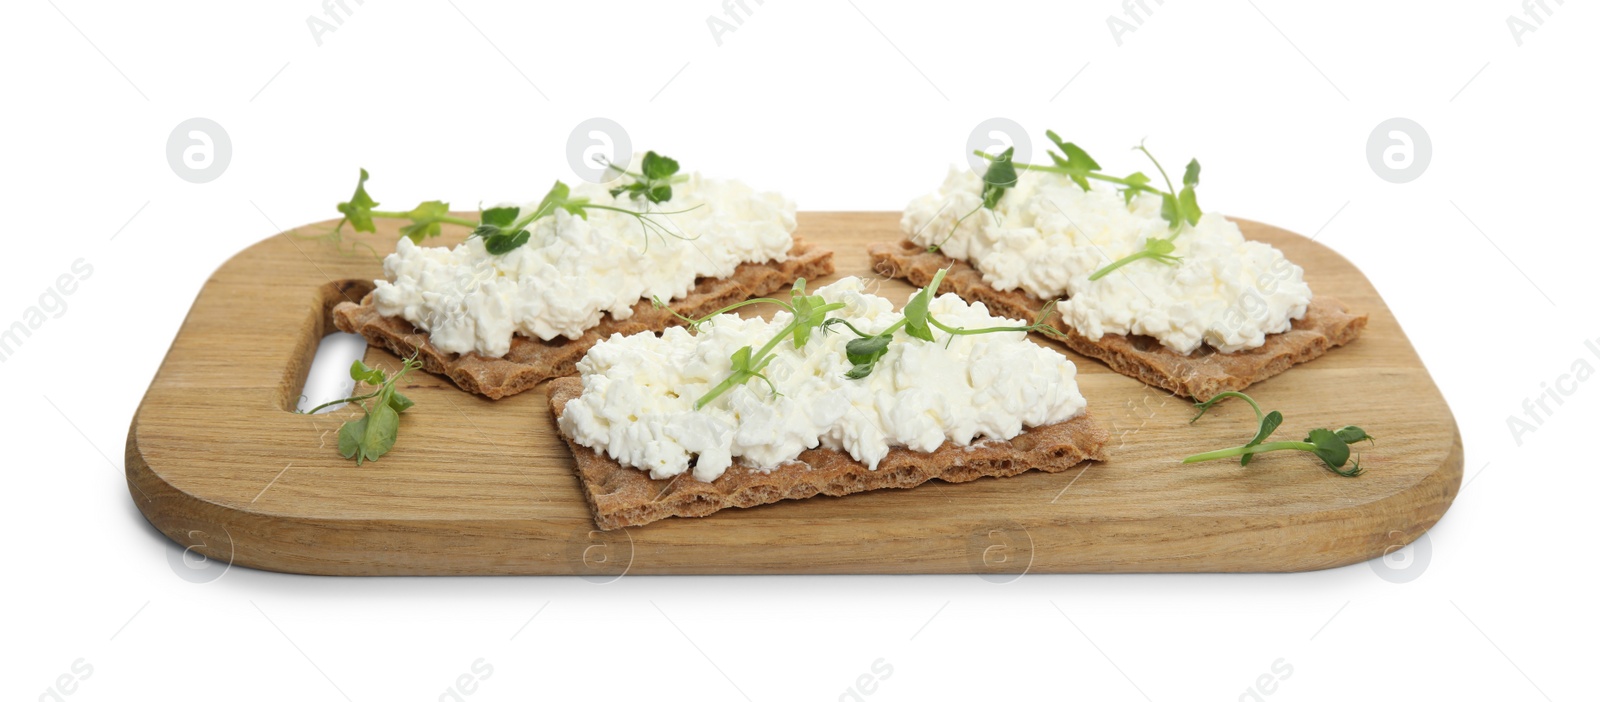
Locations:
(218, 461)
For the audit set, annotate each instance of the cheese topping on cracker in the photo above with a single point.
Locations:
(639, 391)
(573, 270)
(1051, 235)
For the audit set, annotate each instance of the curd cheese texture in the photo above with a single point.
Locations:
(573, 270)
(1051, 235)
(639, 391)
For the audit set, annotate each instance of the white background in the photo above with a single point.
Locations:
(1487, 259)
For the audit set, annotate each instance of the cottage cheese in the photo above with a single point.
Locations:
(1051, 235)
(573, 270)
(639, 391)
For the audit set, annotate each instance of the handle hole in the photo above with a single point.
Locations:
(329, 378)
(321, 371)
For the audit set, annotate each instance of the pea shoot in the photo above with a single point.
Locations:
(999, 177)
(811, 312)
(503, 229)
(654, 180)
(1332, 446)
(866, 350)
(1178, 206)
(371, 436)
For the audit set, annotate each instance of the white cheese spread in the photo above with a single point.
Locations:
(573, 270)
(639, 391)
(1051, 236)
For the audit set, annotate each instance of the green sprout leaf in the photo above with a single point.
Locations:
(1269, 424)
(1332, 447)
(810, 312)
(1352, 435)
(658, 167)
(1134, 184)
(382, 427)
(560, 197)
(426, 221)
(499, 216)
(358, 210)
(864, 354)
(1332, 450)
(373, 434)
(503, 230)
(351, 436)
(500, 242)
(916, 310)
(1073, 161)
(654, 180)
(1188, 208)
(400, 403)
(1000, 176)
(362, 373)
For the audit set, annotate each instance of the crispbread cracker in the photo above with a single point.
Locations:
(531, 361)
(621, 496)
(1199, 375)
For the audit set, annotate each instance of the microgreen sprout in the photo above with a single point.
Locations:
(1178, 206)
(1333, 447)
(1158, 249)
(866, 350)
(502, 229)
(371, 436)
(808, 313)
(999, 177)
(652, 182)
(425, 218)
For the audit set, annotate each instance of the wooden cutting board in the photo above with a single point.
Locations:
(218, 461)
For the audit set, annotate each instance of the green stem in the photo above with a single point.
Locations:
(406, 366)
(755, 360)
(1206, 406)
(740, 377)
(852, 327)
(1103, 272)
(737, 305)
(1163, 171)
(735, 379)
(758, 359)
(523, 221)
(1093, 175)
(357, 398)
(953, 229)
(447, 219)
(963, 330)
(1258, 448)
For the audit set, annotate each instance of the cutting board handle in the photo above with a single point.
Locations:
(328, 296)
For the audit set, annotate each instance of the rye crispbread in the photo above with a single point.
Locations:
(1199, 375)
(621, 496)
(531, 361)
